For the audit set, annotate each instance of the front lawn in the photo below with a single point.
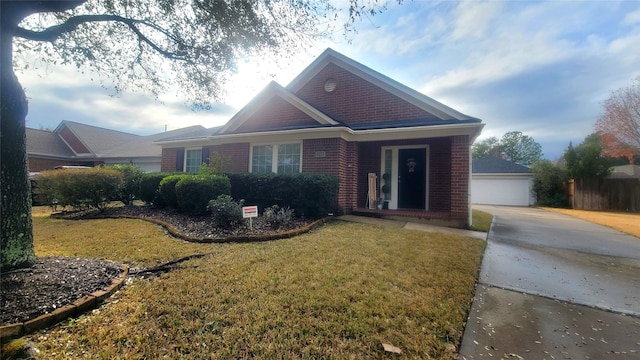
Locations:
(340, 291)
(626, 222)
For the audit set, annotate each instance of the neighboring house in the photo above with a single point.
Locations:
(342, 118)
(496, 181)
(73, 143)
(625, 172)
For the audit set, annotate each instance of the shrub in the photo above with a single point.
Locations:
(79, 188)
(167, 189)
(310, 195)
(277, 216)
(149, 191)
(225, 212)
(548, 184)
(194, 192)
(130, 187)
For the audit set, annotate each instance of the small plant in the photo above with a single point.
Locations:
(226, 212)
(277, 216)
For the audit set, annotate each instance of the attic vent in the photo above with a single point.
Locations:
(330, 85)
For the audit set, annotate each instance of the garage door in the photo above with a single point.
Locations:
(501, 191)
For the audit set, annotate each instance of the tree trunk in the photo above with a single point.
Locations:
(16, 241)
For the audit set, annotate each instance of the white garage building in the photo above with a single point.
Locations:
(495, 181)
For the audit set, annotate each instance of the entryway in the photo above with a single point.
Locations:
(404, 177)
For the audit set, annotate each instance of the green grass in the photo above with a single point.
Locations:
(481, 220)
(337, 292)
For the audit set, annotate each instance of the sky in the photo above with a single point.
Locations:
(540, 67)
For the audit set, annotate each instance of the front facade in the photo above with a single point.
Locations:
(388, 144)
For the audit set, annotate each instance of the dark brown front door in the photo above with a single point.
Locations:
(412, 178)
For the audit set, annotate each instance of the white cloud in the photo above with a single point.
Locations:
(472, 18)
(632, 18)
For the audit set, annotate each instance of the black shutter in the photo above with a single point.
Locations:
(180, 159)
(205, 155)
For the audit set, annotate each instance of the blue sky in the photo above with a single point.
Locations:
(540, 67)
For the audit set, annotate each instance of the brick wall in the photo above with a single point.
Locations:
(73, 141)
(277, 113)
(440, 175)
(333, 156)
(235, 156)
(355, 100)
(460, 177)
(168, 162)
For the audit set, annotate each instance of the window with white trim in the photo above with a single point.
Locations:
(276, 158)
(192, 160)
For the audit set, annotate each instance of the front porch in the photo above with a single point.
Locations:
(439, 218)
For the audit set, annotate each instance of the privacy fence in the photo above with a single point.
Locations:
(605, 194)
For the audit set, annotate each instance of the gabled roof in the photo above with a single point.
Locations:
(495, 165)
(97, 139)
(272, 90)
(145, 147)
(402, 91)
(47, 143)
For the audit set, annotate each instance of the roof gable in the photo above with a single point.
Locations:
(43, 142)
(88, 139)
(495, 165)
(387, 84)
(264, 102)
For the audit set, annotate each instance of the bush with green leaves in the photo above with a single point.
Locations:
(549, 184)
(149, 191)
(225, 212)
(194, 192)
(277, 216)
(130, 188)
(79, 188)
(167, 189)
(309, 195)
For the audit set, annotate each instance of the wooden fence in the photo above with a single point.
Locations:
(605, 194)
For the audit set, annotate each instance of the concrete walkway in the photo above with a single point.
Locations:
(412, 226)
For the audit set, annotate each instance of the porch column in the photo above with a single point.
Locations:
(460, 179)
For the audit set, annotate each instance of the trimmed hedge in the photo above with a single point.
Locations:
(309, 195)
(167, 189)
(150, 188)
(194, 192)
(79, 188)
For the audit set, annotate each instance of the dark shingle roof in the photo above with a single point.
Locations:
(495, 165)
(98, 139)
(43, 142)
(145, 145)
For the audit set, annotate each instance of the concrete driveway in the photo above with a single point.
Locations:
(552, 286)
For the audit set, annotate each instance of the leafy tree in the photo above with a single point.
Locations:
(619, 126)
(549, 184)
(517, 147)
(144, 45)
(487, 147)
(586, 160)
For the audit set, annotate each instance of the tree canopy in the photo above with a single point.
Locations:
(513, 145)
(586, 160)
(151, 45)
(619, 126)
(138, 45)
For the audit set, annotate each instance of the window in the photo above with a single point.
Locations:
(193, 160)
(277, 158)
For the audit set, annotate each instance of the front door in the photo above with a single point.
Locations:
(412, 178)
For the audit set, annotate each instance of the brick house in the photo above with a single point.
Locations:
(72, 143)
(381, 138)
